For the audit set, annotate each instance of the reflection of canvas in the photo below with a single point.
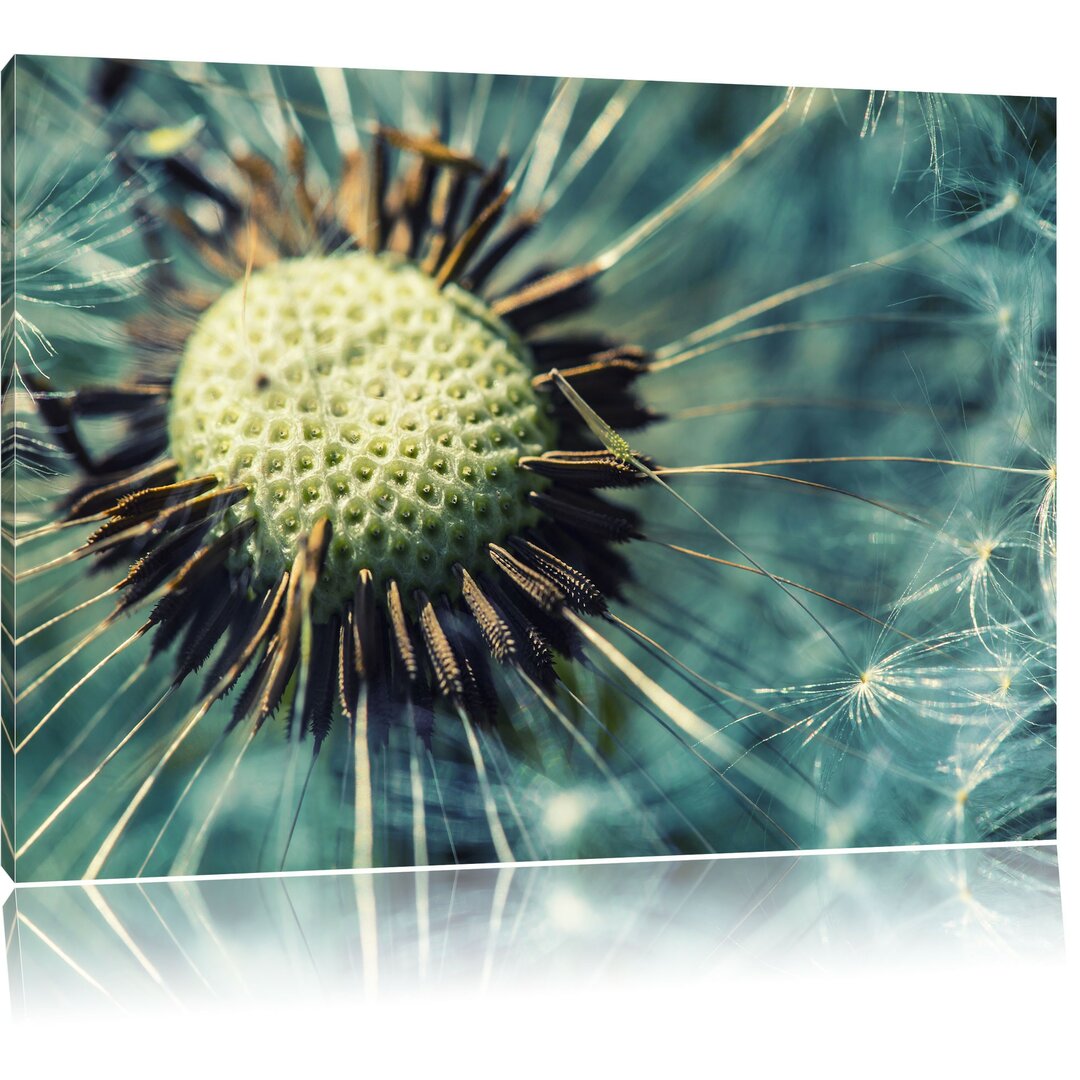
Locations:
(413, 469)
(632, 927)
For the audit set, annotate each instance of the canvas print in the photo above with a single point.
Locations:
(412, 468)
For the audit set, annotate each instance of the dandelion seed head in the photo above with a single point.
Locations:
(351, 388)
(865, 694)
(984, 549)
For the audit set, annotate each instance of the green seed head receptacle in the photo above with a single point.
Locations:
(352, 387)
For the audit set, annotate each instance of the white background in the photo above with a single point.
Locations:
(976, 1023)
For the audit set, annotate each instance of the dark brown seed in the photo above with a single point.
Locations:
(284, 650)
(588, 513)
(400, 628)
(585, 468)
(149, 502)
(538, 587)
(534, 654)
(477, 232)
(322, 680)
(351, 195)
(140, 449)
(578, 590)
(375, 231)
(200, 508)
(170, 619)
(497, 632)
(93, 499)
(444, 663)
(348, 680)
(492, 182)
(431, 149)
(548, 297)
(515, 232)
(215, 616)
(241, 650)
(616, 369)
(58, 413)
(162, 561)
(363, 625)
(108, 400)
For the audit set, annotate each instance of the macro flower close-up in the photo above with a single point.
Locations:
(407, 469)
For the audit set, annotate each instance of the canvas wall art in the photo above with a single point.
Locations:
(409, 469)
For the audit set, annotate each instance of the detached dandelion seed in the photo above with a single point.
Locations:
(330, 548)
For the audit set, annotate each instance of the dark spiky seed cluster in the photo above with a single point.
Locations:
(168, 509)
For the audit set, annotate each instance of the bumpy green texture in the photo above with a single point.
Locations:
(350, 386)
